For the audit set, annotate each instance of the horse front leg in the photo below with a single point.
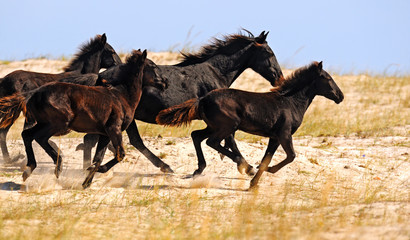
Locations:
(116, 140)
(136, 141)
(270, 151)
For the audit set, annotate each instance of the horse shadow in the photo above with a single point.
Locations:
(10, 186)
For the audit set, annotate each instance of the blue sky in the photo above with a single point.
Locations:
(348, 36)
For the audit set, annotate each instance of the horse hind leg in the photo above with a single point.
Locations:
(197, 137)
(243, 165)
(214, 141)
(3, 145)
(53, 151)
(136, 141)
(28, 137)
(98, 157)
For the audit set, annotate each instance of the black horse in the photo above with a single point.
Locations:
(217, 65)
(93, 56)
(276, 114)
(59, 107)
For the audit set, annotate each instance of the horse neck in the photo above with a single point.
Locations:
(87, 63)
(302, 99)
(228, 68)
(131, 89)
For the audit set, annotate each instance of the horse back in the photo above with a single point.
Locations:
(184, 83)
(256, 113)
(82, 108)
(24, 81)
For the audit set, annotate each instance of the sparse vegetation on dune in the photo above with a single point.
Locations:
(350, 178)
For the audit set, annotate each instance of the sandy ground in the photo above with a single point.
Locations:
(347, 158)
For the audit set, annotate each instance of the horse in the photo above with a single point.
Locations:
(59, 107)
(276, 114)
(215, 66)
(92, 56)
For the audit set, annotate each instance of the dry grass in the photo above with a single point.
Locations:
(350, 180)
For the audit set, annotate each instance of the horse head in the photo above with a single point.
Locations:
(264, 61)
(109, 57)
(324, 85)
(153, 77)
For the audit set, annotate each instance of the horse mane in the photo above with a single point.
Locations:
(91, 46)
(127, 69)
(297, 80)
(216, 46)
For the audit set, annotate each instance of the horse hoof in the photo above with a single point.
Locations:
(250, 171)
(166, 169)
(86, 184)
(26, 174)
(57, 172)
(253, 187)
(197, 172)
(242, 168)
(221, 156)
(80, 147)
(91, 168)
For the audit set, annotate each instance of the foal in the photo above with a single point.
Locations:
(276, 114)
(58, 108)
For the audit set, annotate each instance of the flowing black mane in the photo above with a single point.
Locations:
(226, 46)
(297, 80)
(90, 47)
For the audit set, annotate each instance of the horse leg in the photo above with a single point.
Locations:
(214, 141)
(197, 137)
(28, 125)
(270, 151)
(28, 136)
(287, 145)
(3, 145)
(98, 157)
(136, 141)
(43, 134)
(116, 139)
(243, 165)
(88, 143)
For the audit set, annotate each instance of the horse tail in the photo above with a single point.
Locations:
(181, 114)
(10, 108)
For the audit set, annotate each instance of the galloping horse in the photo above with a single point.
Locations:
(60, 107)
(217, 65)
(276, 114)
(93, 56)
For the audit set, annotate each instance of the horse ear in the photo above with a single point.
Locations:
(320, 66)
(103, 39)
(144, 55)
(261, 38)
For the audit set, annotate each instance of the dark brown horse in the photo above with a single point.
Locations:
(217, 65)
(276, 114)
(59, 107)
(93, 56)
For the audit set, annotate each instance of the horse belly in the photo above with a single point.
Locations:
(85, 123)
